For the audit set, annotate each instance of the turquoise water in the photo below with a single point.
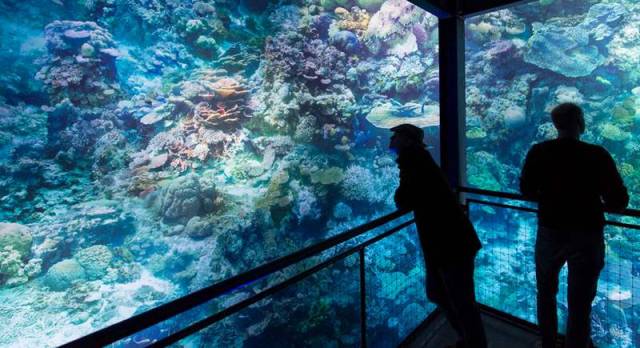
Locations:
(151, 148)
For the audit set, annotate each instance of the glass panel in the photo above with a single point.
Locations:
(616, 318)
(524, 60)
(396, 293)
(505, 269)
(312, 313)
(151, 148)
(505, 275)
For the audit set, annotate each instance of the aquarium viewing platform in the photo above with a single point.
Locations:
(214, 173)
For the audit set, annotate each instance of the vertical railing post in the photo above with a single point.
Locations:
(363, 302)
(452, 99)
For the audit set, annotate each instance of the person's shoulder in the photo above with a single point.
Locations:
(599, 153)
(541, 146)
(595, 148)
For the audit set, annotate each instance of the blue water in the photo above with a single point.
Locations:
(151, 148)
(520, 62)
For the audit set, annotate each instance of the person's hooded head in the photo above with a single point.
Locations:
(568, 119)
(406, 136)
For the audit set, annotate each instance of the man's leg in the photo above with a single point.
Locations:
(586, 260)
(459, 286)
(549, 257)
(436, 293)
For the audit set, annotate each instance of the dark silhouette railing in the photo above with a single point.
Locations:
(181, 305)
(513, 196)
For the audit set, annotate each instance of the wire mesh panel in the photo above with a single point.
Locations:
(616, 309)
(505, 275)
(396, 295)
(505, 270)
(320, 311)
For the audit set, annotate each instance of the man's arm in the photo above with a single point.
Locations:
(416, 180)
(405, 196)
(530, 176)
(614, 193)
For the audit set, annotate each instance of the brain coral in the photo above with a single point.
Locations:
(94, 260)
(16, 236)
(184, 198)
(64, 273)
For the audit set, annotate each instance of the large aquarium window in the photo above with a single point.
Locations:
(520, 63)
(524, 60)
(151, 148)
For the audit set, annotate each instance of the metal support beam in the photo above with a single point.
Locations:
(474, 7)
(439, 8)
(452, 99)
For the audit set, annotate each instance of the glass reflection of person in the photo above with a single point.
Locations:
(573, 183)
(448, 239)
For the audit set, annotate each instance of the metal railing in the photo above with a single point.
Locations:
(181, 305)
(514, 196)
(514, 202)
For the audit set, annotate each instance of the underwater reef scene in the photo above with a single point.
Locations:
(150, 148)
(520, 63)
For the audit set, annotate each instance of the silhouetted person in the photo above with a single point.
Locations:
(449, 241)
(573, 183)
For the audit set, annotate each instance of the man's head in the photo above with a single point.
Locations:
(568, 119)
(406, 136)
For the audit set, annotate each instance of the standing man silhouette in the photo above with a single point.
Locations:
(573, 183)
(449, 241)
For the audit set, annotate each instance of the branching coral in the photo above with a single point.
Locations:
(210, 108)
(218, 117)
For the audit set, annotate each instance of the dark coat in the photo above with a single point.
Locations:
(573, 183)
(446, 234)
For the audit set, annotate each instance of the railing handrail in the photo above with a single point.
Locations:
(159, 314)
(519, 197)
(180, 305)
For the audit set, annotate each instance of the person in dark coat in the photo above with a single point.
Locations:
(448, 239)
(573, 183)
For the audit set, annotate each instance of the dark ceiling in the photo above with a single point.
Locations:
(463, 8)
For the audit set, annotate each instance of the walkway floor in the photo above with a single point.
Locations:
(501, 334)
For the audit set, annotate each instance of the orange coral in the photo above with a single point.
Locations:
(220, 117)
(356, 20)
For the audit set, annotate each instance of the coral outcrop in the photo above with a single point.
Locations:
(184, 198)
(81, 63)
(64, 274)
(17, 237)
(94, 260)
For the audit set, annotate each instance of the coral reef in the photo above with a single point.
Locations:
(184, 198)
(563, 50)
(81, 63)
(63, 274)
(17, 237)
(94, 260)
(152, 148)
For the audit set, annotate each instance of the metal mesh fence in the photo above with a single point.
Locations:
(505, 275)
(322, 310)
(396, 295)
